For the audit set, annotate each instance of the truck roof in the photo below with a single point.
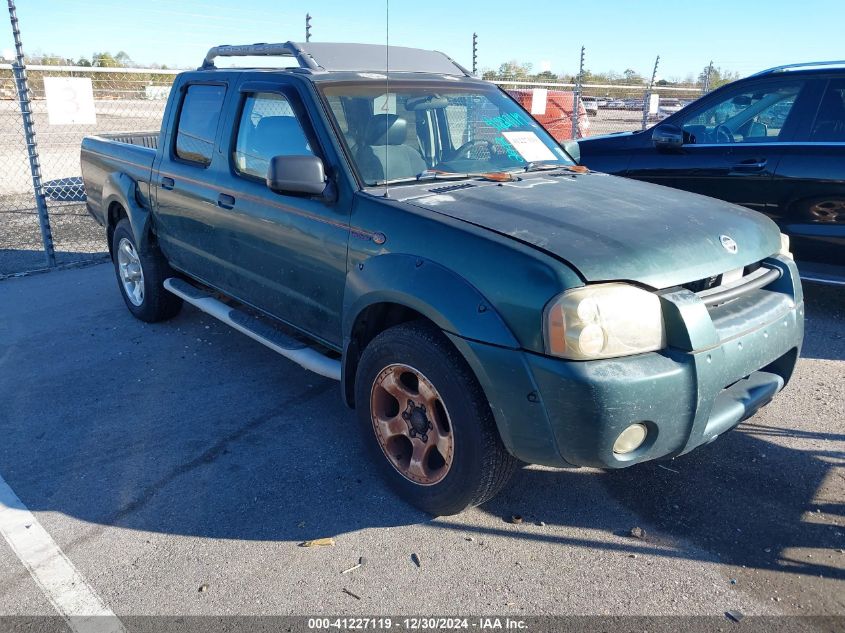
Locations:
(326, 57)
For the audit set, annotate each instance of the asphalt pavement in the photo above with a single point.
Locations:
(178, 466)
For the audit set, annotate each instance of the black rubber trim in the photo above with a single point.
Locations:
(727, 294)
(265, 330)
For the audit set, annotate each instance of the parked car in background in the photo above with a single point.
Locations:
(666, 108)
(774, 142)
(602, 101)
(669, 106)
(557, 112)
(481, 299)
(616, 104)
(591, 105)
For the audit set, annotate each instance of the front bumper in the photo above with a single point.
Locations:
(722, 365)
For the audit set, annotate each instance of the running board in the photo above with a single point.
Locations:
(265, 334)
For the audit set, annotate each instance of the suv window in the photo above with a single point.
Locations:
(750, 115)
(197, 123)
(268, 128)
(829, 126)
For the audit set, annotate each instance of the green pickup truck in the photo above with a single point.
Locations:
(416, 234)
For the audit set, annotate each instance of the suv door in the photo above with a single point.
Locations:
(285, 254)
(809, 184)
(732, 143)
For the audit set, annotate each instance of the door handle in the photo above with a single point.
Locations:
(167, 183)
(750, 165)
(225, 201)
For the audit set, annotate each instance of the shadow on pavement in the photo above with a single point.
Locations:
(188, 428)
(825, 314)
(16, 261)
(744, 498)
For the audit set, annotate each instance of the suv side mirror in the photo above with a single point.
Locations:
(296, 174)
(667, 137)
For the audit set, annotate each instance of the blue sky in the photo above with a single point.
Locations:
(740, 35)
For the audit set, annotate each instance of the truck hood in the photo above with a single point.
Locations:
(610, 228)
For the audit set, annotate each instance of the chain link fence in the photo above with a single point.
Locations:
(133, 100)
(125, 100)
(602, 109)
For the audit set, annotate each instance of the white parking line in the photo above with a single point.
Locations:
(60, 581)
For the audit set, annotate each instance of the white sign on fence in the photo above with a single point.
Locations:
(70, 101)
(653, 103)
(539, 98)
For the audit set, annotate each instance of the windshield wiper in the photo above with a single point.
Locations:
(433, 174)
(541, 167)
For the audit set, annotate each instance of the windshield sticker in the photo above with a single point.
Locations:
(539, 98)
(529, 146)
(385, 104)
(507, 121)
(509, 149)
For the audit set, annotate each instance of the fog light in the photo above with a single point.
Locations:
(630, 439)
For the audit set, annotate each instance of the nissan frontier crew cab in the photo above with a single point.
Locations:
(415, 234)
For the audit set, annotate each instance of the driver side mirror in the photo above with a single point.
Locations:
(667, 137)
(296, 174)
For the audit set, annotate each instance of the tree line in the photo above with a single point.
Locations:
(104, 59)
(519, 71)
(508, 71)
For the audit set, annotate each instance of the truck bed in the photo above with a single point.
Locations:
(141, 139)
(130, 154)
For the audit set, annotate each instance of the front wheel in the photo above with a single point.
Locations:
(427, 422)
(140, 277)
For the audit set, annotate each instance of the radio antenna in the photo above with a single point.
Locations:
(387, 98)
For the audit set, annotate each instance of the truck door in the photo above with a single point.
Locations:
(183, 180)
(284, 254)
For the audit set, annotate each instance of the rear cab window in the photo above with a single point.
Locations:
(197, 124)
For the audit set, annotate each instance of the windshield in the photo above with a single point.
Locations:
(437, 130)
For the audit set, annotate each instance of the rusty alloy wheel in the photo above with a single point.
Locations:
(829, 211)
(411, 424)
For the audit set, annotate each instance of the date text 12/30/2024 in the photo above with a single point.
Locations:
(417, 624)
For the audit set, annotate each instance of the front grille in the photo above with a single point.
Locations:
(716, 280)
(760, 277)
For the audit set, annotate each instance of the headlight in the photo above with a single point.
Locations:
(784, 246)
(604, 321)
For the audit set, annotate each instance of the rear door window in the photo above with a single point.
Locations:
(197, 125)
(829, 126)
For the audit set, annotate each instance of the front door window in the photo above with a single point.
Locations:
(751, 115)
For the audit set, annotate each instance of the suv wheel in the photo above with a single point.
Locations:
(140, 276)
(427, 422)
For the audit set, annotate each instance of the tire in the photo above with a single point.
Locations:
(410, 367)
(145, 272)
